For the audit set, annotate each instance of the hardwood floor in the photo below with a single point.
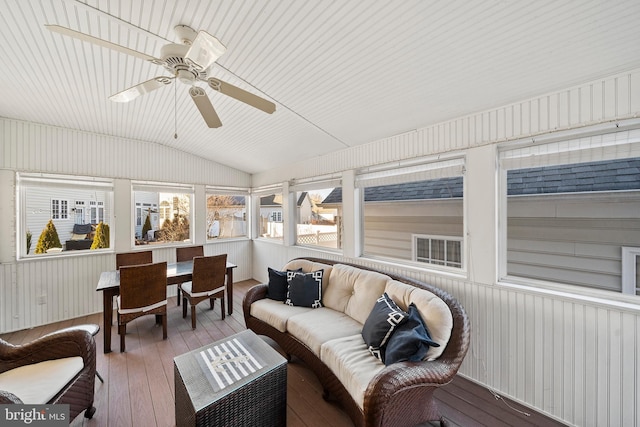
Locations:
(139, 385)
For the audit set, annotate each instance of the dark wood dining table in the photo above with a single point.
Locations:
(178, 272)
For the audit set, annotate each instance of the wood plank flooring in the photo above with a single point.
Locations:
(139, 385)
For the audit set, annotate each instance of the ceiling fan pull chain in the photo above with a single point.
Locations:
(175, 111)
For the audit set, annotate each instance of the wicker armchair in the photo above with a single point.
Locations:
(78, 393)
(402, 393)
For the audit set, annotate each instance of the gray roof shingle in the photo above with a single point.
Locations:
(610, 175)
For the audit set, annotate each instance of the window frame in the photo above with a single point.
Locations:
(431, 237)
(70, 183)
(309, 185)
(247, 216)
(450, 165)
(256, 195)
(166, 188)
(610, 136)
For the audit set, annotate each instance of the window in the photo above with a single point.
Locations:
(53, 207)
(270, 216)
(276, 216)
(163, 213)
(79, 212)
(438, 250)
(226, 213)
(318, 223)
(414, 212)
(96, 211)
(570, 207)
(59, 209)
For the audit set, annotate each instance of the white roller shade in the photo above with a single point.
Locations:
(66, 181)
(232, 191)
(421, 172)
(610, 146)
(318, 184)
(158, 187)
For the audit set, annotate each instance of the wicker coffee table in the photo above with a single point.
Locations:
(237, 381)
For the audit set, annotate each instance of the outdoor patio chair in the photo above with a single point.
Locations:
(143, 291)
(187, 253)
(58, 368)
(208, 283)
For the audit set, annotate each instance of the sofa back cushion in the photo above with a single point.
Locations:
(309, 266)
(354, 291)
(435, 312)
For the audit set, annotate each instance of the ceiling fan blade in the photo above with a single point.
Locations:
(203, 103)
(204, 51)
(241, 95)
(141, 88)
(99, 42)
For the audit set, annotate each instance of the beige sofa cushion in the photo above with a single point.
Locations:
(275, 313)
(320, 325)
(433, 310)
(349, 359)
(309, 266)
(354, 291)
(38, 383)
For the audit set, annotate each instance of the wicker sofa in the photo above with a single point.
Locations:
(58, 368)
(329, 340)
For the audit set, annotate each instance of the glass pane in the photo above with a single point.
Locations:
(567, 223)
(437, 252)
(454, 256)
(394, 214)
(55, 220)
(270, 224)
(162, 217)
(226, 216)
(318, 223)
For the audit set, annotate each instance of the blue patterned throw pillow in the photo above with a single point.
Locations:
(384, 318)
(410, 341)
(305, 289)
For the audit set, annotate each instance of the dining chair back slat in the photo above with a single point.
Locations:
(143, 285)
(208, 273)
(133, 258)
(187, 253)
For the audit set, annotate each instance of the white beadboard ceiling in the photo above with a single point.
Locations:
(341, 73)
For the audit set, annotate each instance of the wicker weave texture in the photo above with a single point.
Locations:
(402, 393)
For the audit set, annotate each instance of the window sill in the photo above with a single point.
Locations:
(570, 293)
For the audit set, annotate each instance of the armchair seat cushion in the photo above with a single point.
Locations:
(39, 383)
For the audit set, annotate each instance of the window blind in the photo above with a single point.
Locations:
(420, 172)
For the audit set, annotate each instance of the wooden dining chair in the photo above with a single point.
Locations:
(208, 283)
(187, 253)
(133, 258)
(143, 291)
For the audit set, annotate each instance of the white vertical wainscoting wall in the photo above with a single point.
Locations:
(574, 359)
(39, 291)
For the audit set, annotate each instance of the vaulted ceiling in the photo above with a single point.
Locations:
(341, 73)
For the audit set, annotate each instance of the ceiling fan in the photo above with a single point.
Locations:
(188, 62)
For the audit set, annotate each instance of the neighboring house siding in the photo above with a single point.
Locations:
(574, 239)
(389, 227)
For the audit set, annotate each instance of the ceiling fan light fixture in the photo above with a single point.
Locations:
(204, 51)
(187, 77)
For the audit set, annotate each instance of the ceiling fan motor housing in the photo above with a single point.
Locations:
(173, 56)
